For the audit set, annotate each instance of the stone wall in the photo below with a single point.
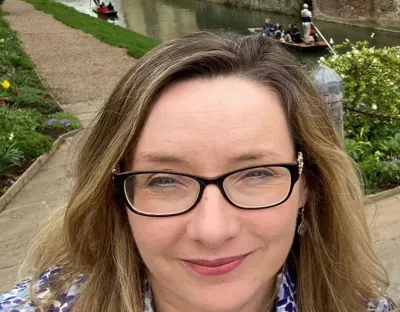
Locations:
(382, 12)
(280, 6)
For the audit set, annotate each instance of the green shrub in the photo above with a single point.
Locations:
(16, 119)
(24, 78)
(9, 156)
(378, 167)
(371, 80)
(31, 144)
(16, 59)
(378, 173)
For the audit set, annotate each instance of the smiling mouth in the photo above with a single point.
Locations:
(215, 267)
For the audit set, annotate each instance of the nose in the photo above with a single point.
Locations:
(214, 221)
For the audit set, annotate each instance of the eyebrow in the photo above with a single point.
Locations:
(174, 159)
(159, 158)
(252, 156)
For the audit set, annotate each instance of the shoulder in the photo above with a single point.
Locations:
(18, 299)
(383, 305)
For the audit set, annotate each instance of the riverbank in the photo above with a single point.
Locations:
(135, 44)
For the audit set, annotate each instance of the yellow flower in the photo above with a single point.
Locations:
(6, 84)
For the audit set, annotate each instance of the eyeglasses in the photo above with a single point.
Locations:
(165, 193)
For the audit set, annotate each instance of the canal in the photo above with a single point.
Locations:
(166, 19)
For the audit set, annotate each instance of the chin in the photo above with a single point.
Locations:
(223, 297)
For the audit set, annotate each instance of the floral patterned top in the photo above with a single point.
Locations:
(18, 300)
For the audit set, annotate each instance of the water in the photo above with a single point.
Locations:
(167, 19)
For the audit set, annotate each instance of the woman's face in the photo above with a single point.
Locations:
(208, 128)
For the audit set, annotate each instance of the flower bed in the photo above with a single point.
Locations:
(30, 119)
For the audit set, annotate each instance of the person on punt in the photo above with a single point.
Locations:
(287, 34)
(306, 17)
(313, 35)
(110, 7)
(279, 33)
(268, 28)
(295, 34)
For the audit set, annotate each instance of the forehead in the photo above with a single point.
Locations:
(213, 121)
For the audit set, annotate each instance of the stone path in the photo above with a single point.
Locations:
(71, 62)
(384, 220)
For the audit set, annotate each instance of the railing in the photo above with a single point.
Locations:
(369, 112)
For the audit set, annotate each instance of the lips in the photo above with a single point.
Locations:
(215, 267)
(215, 263)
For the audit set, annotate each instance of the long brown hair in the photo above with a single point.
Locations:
(335, 261)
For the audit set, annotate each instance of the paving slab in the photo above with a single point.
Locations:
(384, 218)
(384, 222)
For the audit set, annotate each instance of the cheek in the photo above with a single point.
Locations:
(154, 235)
(275, 225)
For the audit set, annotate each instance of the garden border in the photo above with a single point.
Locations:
(370, 199)
(33, 169)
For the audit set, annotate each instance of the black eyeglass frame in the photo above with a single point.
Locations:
(119, 179)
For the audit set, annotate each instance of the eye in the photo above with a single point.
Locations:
(258, 173)
(162, 181)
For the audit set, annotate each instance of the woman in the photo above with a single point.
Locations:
(213, 180)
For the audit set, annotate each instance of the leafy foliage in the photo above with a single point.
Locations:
(31, 144)
(16, 119)
(371, 80)
(9, 156)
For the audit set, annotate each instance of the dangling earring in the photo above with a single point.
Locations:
(303, 226)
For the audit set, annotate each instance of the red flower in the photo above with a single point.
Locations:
(46, 96)
(3, 101)
(15, 93)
